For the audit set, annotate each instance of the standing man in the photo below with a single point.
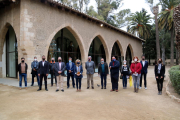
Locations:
(114, 69)
(52, 71)
(22, 68)
(59, 73)
(103, 72)
(34, 72)
(43, 72)
(90, 66)
(70, 72)
(144, 71)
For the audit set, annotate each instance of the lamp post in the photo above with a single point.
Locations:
(155, 12)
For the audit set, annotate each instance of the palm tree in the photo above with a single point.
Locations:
(166, 22)
(140, 24)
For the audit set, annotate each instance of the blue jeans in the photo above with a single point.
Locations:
(124, 80)
(103, 76)
(20, 79)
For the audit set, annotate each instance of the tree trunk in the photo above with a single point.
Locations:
(172, 48)
(177, 56)
(163, 53)
(157, 38)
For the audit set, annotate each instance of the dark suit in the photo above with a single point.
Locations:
(144, 72)
(70, 74)
(52, 72)
(114, 74)
(78, 78)
(103, 74)
(43, 70)
(159, 80)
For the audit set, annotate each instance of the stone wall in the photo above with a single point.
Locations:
(8, 16)
(40, 22)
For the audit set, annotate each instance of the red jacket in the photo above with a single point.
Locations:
(136, 67)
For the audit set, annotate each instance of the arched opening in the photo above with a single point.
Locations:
(10, 53)
(64, 45)
(117, 52)
(96, 51)
(128, 55)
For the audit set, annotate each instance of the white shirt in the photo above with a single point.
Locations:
(43, 63)
(143, 62)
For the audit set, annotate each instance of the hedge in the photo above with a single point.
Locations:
(174, 75)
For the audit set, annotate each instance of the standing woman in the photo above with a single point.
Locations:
(159, 71)
(124, 73)
(78, 74)
(136, 73)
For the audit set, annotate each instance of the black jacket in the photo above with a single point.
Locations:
(125, 71)
(19, 68)
(43, 69)
(52, 68)
(162, 71)
(100, 68)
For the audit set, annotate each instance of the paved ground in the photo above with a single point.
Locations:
(90, 104)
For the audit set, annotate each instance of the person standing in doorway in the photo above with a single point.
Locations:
(43, 71)
(136, 73)
(159, 72)
(34, 72)
(52, 71)
(70, 72)
(90, 66)
(124, 73)
(78, 74)
(144, 71)
(22, 68)
(114, 69)
(59, 73)
(103, 71)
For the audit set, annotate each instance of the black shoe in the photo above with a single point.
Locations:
(101, 87)
(38, 89)
(62, 90)
(57, 90)
(46, 89)
(92, 87)
(87, 87)
(104, 87)
(32, 85)
(67, 87)
(74, 87)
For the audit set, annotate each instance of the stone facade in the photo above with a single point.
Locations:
(36, 24)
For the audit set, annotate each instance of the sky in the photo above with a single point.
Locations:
(133, 5)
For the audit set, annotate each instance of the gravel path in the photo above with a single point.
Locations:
(89, 104)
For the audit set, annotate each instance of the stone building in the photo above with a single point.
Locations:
(31, 28)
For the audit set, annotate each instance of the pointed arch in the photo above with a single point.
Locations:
(103, 43)
(120, 47)
(74, 33)
(131, 49)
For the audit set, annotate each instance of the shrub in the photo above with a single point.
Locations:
(174, 74)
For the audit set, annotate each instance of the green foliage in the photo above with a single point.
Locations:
(106, 12)
(149, 45)
(174, 74)
(140, 24)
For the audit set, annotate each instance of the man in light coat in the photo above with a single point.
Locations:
(59, 73)
(90, 66)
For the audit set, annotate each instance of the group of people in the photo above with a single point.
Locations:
(137, 70)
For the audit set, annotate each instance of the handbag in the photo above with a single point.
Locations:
(120, 76)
